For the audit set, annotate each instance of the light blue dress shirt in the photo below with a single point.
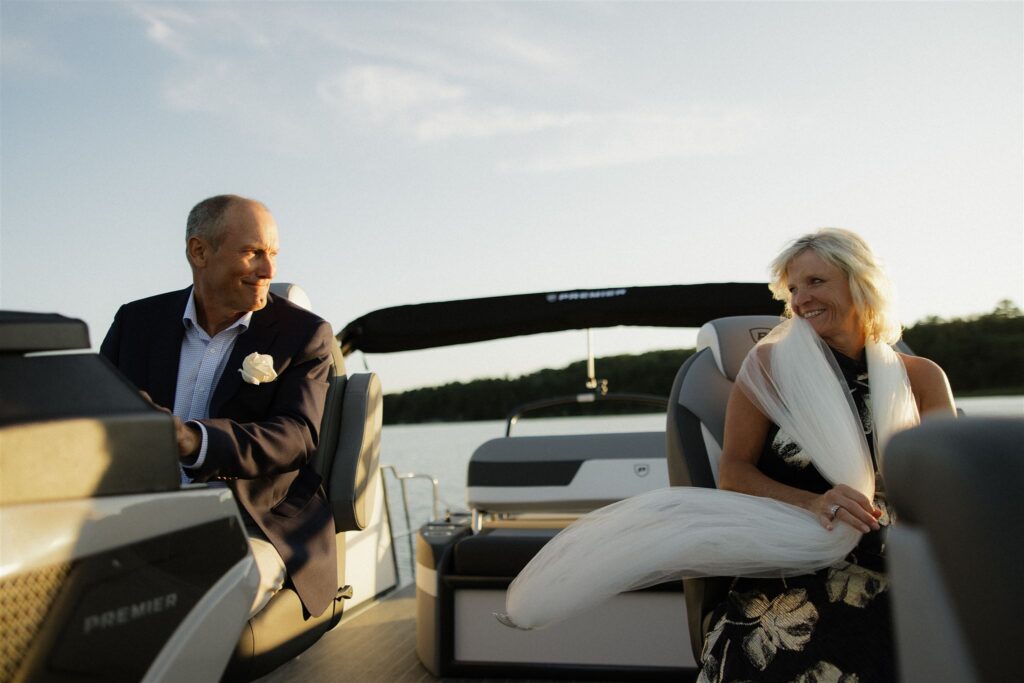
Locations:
(200, 367)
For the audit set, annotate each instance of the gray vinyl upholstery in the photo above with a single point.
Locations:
(291, 291)
(955, 553)
(505, 473)
(348, 453)
(355, 432)
(347, 458)
(23, 332)
(695, 427)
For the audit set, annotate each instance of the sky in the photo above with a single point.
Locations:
(416, 152)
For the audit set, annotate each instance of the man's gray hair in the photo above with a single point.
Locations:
(206, 219)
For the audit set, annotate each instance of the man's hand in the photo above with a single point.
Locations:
(188, 437)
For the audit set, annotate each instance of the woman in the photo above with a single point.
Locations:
(833, 624)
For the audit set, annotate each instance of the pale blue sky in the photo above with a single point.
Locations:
(422, 151)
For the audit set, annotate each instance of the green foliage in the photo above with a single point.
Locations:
(492, 399)
(978, 353)
(984, 352)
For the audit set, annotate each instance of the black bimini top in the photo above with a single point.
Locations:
(444, 323)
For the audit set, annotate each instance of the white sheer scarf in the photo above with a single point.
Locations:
(685, 532)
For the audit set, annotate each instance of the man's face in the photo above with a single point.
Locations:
(235, 277)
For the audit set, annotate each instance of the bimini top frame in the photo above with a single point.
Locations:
(444, 323)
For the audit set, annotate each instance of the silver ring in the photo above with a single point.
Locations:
(833, 510)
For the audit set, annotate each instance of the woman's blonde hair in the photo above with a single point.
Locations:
(869, 285)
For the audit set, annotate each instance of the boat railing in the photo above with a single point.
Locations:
(403, 478)
(659, 402)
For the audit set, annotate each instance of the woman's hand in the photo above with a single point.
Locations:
(844, 504)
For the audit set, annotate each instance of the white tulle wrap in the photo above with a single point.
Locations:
(684, 532)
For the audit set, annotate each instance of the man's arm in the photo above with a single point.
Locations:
(188, 437)
(288, 436)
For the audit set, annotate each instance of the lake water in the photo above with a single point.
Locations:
(443, 451)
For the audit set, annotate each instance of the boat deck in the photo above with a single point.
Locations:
(376, 643)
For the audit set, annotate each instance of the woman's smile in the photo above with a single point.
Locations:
(820, 294)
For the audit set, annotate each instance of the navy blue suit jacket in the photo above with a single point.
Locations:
(261, 438)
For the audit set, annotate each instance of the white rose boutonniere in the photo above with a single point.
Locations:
(258, 368)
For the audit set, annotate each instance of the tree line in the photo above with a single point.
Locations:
(980, 354)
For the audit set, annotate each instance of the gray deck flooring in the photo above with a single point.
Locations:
(376, 645)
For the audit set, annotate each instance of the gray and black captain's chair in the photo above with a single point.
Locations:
(956, 551)
(695, 429)
(347, 458)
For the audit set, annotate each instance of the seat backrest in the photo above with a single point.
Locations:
(955, 553)
(291, 291)
(695, 429)
(696, 408)
(348, 453)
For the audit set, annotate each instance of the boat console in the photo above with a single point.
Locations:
(109, 572)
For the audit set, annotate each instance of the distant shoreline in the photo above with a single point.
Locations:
(982, 356)
(999, 391)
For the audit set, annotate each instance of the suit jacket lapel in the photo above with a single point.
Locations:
(165, 349)
(258, 338)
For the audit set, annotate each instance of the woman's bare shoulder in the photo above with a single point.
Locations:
(929, 383)
(922, 369)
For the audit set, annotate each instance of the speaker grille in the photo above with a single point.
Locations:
(24, 601)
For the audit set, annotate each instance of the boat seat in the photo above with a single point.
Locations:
(498, 552)
(503, 553)
(955, 553)
(347, 458)
(695, 427)
(565, 473)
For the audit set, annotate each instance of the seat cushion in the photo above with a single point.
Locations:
(499, 552)
(506, 552)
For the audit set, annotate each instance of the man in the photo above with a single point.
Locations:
(186, 349)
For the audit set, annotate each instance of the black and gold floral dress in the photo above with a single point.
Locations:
(831, 626)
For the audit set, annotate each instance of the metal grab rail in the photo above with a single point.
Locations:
(402, 478)
(647, 399)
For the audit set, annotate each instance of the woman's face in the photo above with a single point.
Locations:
(820, 294)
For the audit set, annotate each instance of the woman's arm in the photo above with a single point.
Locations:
(930, 386)
(745, 431)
